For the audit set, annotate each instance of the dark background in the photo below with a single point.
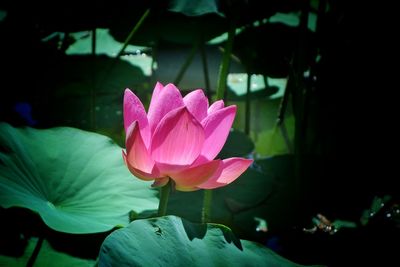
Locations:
(352, 112)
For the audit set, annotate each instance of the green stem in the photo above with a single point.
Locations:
(94, 41)
(35, 252)
(224, 68)
(248, 103)
(134, 30)
(205, 70)
(286, 138)
(223, 74)
(206, 211)
(126, 43)
(299, 92)
(164, 195)
(280, 122)
(186, 64)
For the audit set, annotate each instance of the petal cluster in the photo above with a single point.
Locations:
(179, 138)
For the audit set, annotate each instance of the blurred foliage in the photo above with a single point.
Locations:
(194, 8)
(162, 26)
(271, 142)
(264, 190)
(238, 144)
(275, 44)
(25, 236)
(47, 256)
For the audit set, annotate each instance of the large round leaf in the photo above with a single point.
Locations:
(75, 180)
(172, 241)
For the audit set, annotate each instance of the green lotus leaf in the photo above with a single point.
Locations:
(172, 241)
(75, 180)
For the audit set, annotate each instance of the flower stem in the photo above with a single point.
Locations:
(206, 211)
(186, 64)
(164, 195)
(224, 67)
(221, 91)
(134, 30)
(35, 252)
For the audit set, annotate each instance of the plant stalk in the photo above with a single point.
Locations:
(206, 211)
(134, 30)
(164, 195)
(224, 68)
(35, 252)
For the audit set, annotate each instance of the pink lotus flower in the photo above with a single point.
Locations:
(178, 139)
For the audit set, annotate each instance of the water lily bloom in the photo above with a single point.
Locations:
(178, 139)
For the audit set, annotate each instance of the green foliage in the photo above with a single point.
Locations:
(238, 144)
(247, 191)
(173, 26)
(194, 8)
(263, 191)
(75, 180)
(172, 241)
(271, 142)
